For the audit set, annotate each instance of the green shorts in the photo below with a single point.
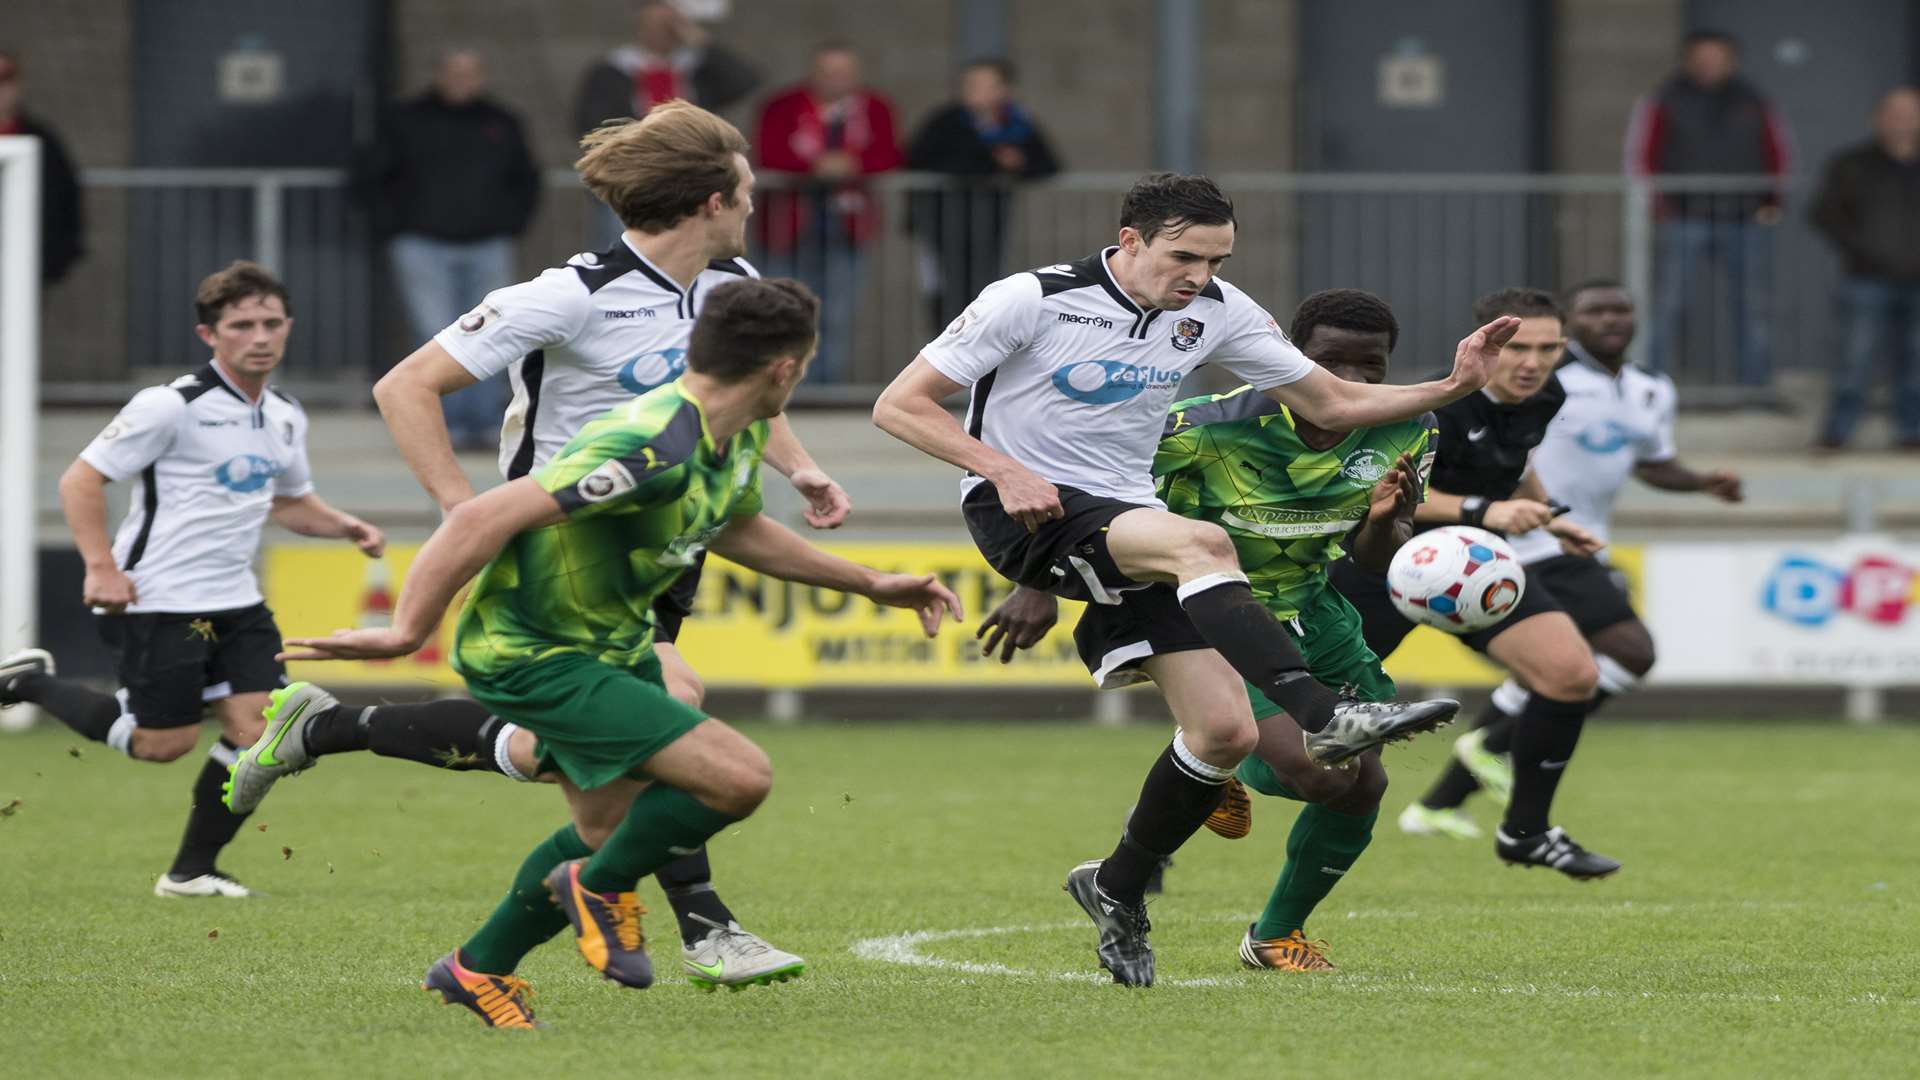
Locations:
(596, 723)
(1328, 633)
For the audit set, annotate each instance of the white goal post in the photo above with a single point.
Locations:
(19, 399)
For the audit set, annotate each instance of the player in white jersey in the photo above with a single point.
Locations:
(1616, 423)
(1072, 368)
(217, 454)
(576, 341)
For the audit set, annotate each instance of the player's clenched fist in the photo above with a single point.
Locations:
(1027, 499)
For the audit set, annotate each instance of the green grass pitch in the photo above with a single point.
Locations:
(1766, 922)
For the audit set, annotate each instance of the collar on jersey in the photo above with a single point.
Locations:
(213, 376)
(1094, 268)
(659, 277)
(1578, 355)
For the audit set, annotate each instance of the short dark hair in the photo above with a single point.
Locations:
(1709, 36)
(1000, 66)
(746, 325)
(1345, 309)
(1523, 301)
(1169, 202)
(239, 281)
(1588, 285)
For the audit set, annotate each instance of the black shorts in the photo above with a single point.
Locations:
(1066, 557)
(672, 607)
(170, 665)
(1385, 628)
(1115, 638)
(1592, 592)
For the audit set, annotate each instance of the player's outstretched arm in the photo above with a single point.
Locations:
(83, 499)
(1335, 404)
(827, 503)
(1671, 475)
(471, 536)
(758, 542)
(1020, 621)
(409, 399)
(909, 409)
(310, 515)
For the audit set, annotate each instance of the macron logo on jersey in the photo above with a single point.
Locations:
(1103, 382)
(654, 369)
(246, 473)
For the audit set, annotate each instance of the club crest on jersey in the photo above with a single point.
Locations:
(1365, 466)
(476, 320)
(603, 483)
(1103, 382)
(246, 473)
(1186, 334)
(654, 369)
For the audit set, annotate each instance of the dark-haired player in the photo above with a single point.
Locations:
(557, 634)
(1293, 497)
(1480, 478)
(1072, 368)
(1617, 423)
(218, 453)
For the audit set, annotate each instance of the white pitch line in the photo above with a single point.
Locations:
(905, 949)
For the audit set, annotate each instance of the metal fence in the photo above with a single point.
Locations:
(1721, 298)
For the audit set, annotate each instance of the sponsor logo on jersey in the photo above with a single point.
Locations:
(476, 320)
(652, 369)
(1807, 592)
(1282, 523)
(1084, 320)
(632, 313)
(603, 483)
(1366, 466)
(247, 472)
(1607, 437)
(1186, 334)
(1103, 382)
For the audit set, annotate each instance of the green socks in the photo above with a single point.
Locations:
(528, 916)
(1322, 846)
(663, 824)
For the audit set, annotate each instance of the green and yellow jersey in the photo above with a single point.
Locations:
(645, 489)
(1237, 460)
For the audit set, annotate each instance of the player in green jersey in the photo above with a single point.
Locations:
(1293, 498)
(556, 634)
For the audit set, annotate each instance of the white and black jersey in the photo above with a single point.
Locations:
(578, 340)
(1072, 379)
(1608, 425)
(210, 463)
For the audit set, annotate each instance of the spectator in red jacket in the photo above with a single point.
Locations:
(817, 141)
(1706, 119)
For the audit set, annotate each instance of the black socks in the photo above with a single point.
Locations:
(1179, 792)
(88, 712)
(454, 733)
(1239, 628)
(1543, 740)
(688, 883)
(210, 825)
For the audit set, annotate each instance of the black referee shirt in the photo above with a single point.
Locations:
(1484, 444)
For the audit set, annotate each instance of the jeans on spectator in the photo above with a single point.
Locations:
(1744, 252)
(441, 280)
(1878, 318)
(837, 271)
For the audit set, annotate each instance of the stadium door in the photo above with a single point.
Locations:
(1410, 86)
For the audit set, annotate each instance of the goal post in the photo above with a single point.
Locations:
(19, 398)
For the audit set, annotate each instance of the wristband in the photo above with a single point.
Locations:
(1473, 511)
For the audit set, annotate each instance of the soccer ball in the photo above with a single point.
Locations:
(1457, 578)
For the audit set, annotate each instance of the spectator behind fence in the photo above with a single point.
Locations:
(1869, 206)
(451, 182)
(1706, 119)
(671, 57)
(826, 135)
(985, 140)
(59, 191)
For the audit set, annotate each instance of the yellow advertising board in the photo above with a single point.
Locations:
(750, 630)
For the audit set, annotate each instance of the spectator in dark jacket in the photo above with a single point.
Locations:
(986, 140)
(1869, 207)
(451, 183)
(59, 190)
(671, 57)
(1706, 120)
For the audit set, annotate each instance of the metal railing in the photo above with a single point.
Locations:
(1710, 284)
